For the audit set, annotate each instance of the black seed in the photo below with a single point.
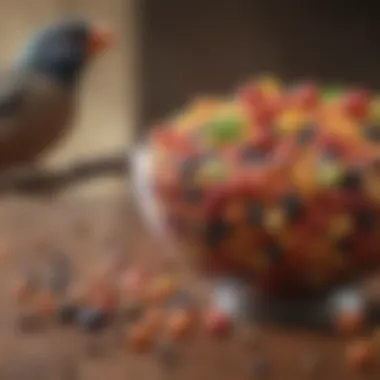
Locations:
(194, 195)
(345, 246)
(365, 220)
(372, 132)
(255, 214)
(67, 312)
(352, 179)
(292, 206)
(216, 231)
(253, 155)
(274, 250)
(92, 319)
(306, 135)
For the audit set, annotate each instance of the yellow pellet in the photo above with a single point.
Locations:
(340, 226)
(274, 220)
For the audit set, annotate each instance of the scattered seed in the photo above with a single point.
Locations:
(218, 324)
(154, 319)
(27, 286)
(350, 322)
(106, 298)
(161, 288)
(92, 319)
(45, 304)
(180, 324)
(360, 355)
(67, 312)
(139, 338)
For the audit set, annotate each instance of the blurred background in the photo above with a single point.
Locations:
(195, 47)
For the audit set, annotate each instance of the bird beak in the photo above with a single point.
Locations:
(98, 41)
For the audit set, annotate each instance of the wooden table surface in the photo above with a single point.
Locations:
(83, 229)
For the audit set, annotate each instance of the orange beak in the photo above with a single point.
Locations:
(98, 41)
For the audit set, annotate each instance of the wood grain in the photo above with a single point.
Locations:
(84, 230)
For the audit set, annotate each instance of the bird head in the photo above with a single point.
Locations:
(63, 50)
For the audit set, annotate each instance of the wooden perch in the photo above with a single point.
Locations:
(36, 180)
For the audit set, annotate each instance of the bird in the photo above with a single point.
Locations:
(38, 93)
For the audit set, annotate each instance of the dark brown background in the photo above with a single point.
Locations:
(193, 46)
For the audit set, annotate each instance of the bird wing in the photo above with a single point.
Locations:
(34, 113)
(12, 99)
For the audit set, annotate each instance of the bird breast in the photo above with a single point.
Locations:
(41, 115)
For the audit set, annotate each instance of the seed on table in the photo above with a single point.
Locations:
(139, 338)
(218, 323)
(106, 299)
(92, 319)
(45, 304)
(154, 319)
(133, 283)
(161, 288)
(180, 324)
(67, 312)
(360, 355)
(26, 287)
(350, 322)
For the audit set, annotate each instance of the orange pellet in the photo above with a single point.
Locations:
(161, 288)
(360, 355)
(140, 338)
(24, 291)
(154, 320)
(180, 324)
(349, 323)
(106, 299)
(45, 304)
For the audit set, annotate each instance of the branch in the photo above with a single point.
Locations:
(36, 180)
